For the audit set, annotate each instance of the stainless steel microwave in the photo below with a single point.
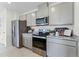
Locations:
(42, 21)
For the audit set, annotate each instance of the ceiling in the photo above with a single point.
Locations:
(21, 7)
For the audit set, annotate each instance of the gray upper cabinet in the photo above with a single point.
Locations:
(42, 10)
(31, 19)
(61, 14)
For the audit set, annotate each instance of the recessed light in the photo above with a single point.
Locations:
(52, 9)
(33, 14)
(9, 2)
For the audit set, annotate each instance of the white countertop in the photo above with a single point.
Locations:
(73, 38)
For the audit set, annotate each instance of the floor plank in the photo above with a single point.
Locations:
(16, 52)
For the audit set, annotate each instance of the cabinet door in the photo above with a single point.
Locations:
(42, 11)
(57, 50)
(61, 14)
(31, 19)
(30, 42)
(76, 19)
(28, 20)
(25, 42)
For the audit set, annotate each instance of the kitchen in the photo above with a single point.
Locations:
(48, 30)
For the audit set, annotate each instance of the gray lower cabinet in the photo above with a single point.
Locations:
(27, 40)
(61, 48)
(57, 50)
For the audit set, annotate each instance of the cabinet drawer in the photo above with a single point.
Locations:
(27, 35)
(60, 41)
(57, 50)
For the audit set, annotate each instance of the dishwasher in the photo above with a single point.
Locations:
(57, 47)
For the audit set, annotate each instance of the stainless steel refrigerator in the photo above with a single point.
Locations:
(18, 27)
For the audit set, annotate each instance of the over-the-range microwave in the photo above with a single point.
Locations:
(42, 21)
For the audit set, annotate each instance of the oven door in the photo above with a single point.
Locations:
(39, 43)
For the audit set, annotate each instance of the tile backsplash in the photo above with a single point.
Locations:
(52, 27)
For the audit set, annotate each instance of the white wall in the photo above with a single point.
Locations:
(2, 26)
(76, 18)
(6, 16)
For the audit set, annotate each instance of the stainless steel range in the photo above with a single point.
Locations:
(39, 42)
(39, 45)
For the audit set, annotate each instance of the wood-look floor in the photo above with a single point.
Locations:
(16, 52)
